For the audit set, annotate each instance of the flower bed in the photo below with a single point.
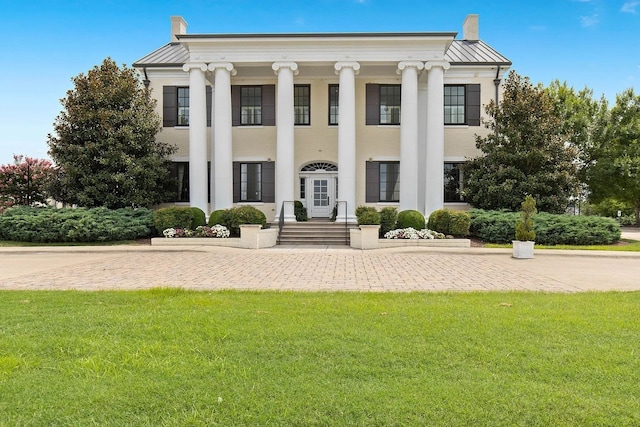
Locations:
(217, 231)
(412, 233)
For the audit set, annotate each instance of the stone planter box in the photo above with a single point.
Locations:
(523, 250)
(366, 237)
(251, 237)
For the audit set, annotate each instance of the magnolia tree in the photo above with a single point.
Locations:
(24, 181)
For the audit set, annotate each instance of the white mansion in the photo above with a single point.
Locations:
(346, 119)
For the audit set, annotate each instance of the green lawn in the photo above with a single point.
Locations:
(626, 246)
(172, 357)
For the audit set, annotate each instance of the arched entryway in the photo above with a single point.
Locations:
(319, 188)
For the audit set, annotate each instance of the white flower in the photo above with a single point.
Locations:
(169, 232)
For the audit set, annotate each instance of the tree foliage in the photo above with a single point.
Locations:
(614, 171)
(526, 152)
(24, 182)
(104, 142)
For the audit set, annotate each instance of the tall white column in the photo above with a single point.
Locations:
(409, 134)
(223, 142)
(434, 197)
(197, 136)
(347, 140)
(285, 149)
(422, 140)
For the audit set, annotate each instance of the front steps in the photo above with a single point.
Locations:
(315, 232)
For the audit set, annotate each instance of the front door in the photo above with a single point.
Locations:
(323, 196)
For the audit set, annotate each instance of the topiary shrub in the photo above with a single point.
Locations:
(367, 215)
(388, 219)
(454, 223)
(172, 217)
(244, 215)
(411, 219)
(199, 217)
(51, 225)
(220, 216)
(299, 211)
(524, 225)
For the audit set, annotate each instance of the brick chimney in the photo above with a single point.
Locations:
(470, 28)
(178, 26)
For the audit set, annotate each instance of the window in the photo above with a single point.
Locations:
(250, 182)
(334, 92)
(180, 179)
(453, 182)
(302, 104)
(303, 188)
(454, 105)
(390, 104)
(251, 105)
(389, 181)
(183, 107)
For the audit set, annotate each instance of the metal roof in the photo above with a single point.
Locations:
(465, 52)
(460, 52)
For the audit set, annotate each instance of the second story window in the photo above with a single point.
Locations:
(390, 104)
(250, 105)
(182, 118)
(334, 92)
(302, 104)
(454, 105)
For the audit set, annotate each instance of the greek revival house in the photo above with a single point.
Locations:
(335, 119)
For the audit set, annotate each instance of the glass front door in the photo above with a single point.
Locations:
(322, 197)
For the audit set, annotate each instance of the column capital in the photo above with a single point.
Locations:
(445, 65)
(194, 66)
(222, 66)
(277, 66)
(347, 64)
(418, 65)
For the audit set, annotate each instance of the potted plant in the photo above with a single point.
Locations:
(525, 236)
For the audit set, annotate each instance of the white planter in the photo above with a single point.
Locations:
(523, 250)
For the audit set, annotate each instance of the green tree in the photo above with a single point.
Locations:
(526, 152)
(24, 182)
(104, 142)
(614, 171)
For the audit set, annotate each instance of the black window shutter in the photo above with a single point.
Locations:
(472, 97)
(373, 104)
(269, 105)
(372, 182)
(236, 182)
(235, 106)
(169, 106)
(268, 182)
(208, 106)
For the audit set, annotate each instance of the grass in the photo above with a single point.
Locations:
(629, 246)
(169, 357)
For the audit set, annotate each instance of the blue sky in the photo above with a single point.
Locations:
(44, 43)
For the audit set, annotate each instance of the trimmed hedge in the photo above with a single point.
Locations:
(388, 219)
(367, 215)
(410, 219)
(454, 223)
(173, 217)
(199, 218)
(300, 211)
(220, 216)
(550, 229)
(51, 225)
(234, 217)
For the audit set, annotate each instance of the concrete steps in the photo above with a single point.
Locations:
(314, 232)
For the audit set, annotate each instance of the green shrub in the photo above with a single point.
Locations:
(244, 215)
(411, 218)
(173, 217)
(300, 211)
(51, 225)
(550, 229)
(367, 215)
(524, 225)
(454, 223)
(220, 216)
(199, 217)
(388, 219)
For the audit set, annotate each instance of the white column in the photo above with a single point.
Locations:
(409, 134)
(347, 140)
(285, 149)
(223, 142)
(197, 136)
(434, 197)
(422, 140)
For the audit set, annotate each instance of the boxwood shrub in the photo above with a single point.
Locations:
(199, 217)
(388, 219)
(367, 215)
(220, 216)
(173, 217)
(454, 223)
(51, 225)
(550, 229)
(411, 218)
